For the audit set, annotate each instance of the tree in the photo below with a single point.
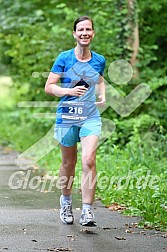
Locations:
(134, 28)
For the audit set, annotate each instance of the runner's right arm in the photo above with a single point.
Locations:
(52, 87)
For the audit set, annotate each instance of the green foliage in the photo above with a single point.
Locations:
(153, 34)
(135, 177)
(33, 41)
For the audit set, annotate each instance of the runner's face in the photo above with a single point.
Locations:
(84, 33)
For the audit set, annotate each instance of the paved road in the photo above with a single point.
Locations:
(29, 220)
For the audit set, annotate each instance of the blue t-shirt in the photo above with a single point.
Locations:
(74, 72)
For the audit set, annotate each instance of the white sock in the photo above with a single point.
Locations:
(86, 206)
(66, 198)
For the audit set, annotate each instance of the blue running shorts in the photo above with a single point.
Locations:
(69, 136)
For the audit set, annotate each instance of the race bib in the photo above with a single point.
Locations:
(74, 110)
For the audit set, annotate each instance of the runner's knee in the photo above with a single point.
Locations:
(69, 163)
(88, 162)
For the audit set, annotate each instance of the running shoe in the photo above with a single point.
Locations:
(66, 214)
(87, 218)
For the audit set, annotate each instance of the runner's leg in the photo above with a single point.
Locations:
(67, 169)
(89, 145)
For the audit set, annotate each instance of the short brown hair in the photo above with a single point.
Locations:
(82, 18)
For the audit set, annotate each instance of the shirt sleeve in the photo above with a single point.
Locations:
(58, 66)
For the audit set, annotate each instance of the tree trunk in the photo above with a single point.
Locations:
(133, 39)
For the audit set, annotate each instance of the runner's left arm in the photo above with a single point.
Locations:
(100, 91)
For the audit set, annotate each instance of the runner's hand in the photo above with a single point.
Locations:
(101, 101)
(77, 91)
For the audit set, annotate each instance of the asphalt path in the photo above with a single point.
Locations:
(29, 218)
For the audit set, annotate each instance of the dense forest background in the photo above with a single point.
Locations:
(34, 32)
